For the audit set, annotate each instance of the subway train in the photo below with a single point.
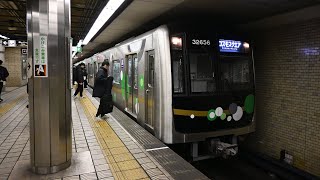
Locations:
(184, 85)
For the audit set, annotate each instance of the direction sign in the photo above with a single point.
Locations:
(40, 57)
(9, 43)
(4, 42)
(12, 43)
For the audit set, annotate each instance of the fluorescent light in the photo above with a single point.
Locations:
(4, 37)
(103, 17)
(74, 53)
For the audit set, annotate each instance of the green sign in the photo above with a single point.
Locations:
(79, 49)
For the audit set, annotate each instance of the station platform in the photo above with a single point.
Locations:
(115, 148)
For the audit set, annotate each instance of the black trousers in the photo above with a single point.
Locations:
(79, 89)
(100, 110)
(1, 86)
(85, 83)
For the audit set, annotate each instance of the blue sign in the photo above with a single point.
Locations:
(231, 46)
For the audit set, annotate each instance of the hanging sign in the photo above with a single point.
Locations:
(41, 58)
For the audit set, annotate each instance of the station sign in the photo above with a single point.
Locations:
(233, 46)
(13, 43)
(40, 55)
(9, 43)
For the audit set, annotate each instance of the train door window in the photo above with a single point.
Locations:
(236, 72)
(150, 89)
(135, 84)
(177, 63)
(201, 71)
(116, 71)
(129, 84)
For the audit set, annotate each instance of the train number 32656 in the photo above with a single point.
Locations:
(200, 42)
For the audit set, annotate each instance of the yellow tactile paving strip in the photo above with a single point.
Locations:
(122, 164)
(7, 106)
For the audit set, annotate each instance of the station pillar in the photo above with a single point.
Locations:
(49, 87)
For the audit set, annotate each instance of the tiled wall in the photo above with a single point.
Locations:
(13, 63)
(287, 62)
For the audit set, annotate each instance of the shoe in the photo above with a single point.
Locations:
(105, 117)
(74, 97)
(82, 97)
(1, 100)
(27, 106)
(98, 118)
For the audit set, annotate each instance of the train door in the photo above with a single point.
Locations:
(149, 84)
(132, 83)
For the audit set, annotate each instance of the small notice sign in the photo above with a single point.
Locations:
(41, 58)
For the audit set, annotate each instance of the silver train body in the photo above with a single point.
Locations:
(143, 87)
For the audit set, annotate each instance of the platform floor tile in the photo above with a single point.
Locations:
(119, 158)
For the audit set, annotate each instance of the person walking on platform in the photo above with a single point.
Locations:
(3, 77)
(80, 73)
(85, 82)
(102, 89)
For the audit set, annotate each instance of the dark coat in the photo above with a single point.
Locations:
(100, 83)
(106, 100)
(80, 73)
(3, 73)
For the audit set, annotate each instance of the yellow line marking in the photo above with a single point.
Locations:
(183, 112)
(121, 162)
(8, 106)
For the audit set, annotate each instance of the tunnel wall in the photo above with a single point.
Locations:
(287, 63)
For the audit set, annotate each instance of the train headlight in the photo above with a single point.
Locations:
(246, 45)
(176, 41)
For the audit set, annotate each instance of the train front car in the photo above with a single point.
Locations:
(213, 92)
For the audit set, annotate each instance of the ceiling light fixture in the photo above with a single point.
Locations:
(3, 37)
(103, 17)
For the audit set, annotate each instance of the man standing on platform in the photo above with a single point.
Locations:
(80, 73)
(3, 77)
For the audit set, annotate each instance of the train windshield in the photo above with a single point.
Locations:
(236, 73)
(201, 71)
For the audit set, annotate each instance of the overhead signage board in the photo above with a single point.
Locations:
(41, 57)
(13, 43)
(9, 43)
(232, 46)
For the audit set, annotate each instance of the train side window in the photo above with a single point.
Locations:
(116, 71)
(177, 63)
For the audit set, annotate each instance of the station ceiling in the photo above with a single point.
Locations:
(13, 17)
(139, 15)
